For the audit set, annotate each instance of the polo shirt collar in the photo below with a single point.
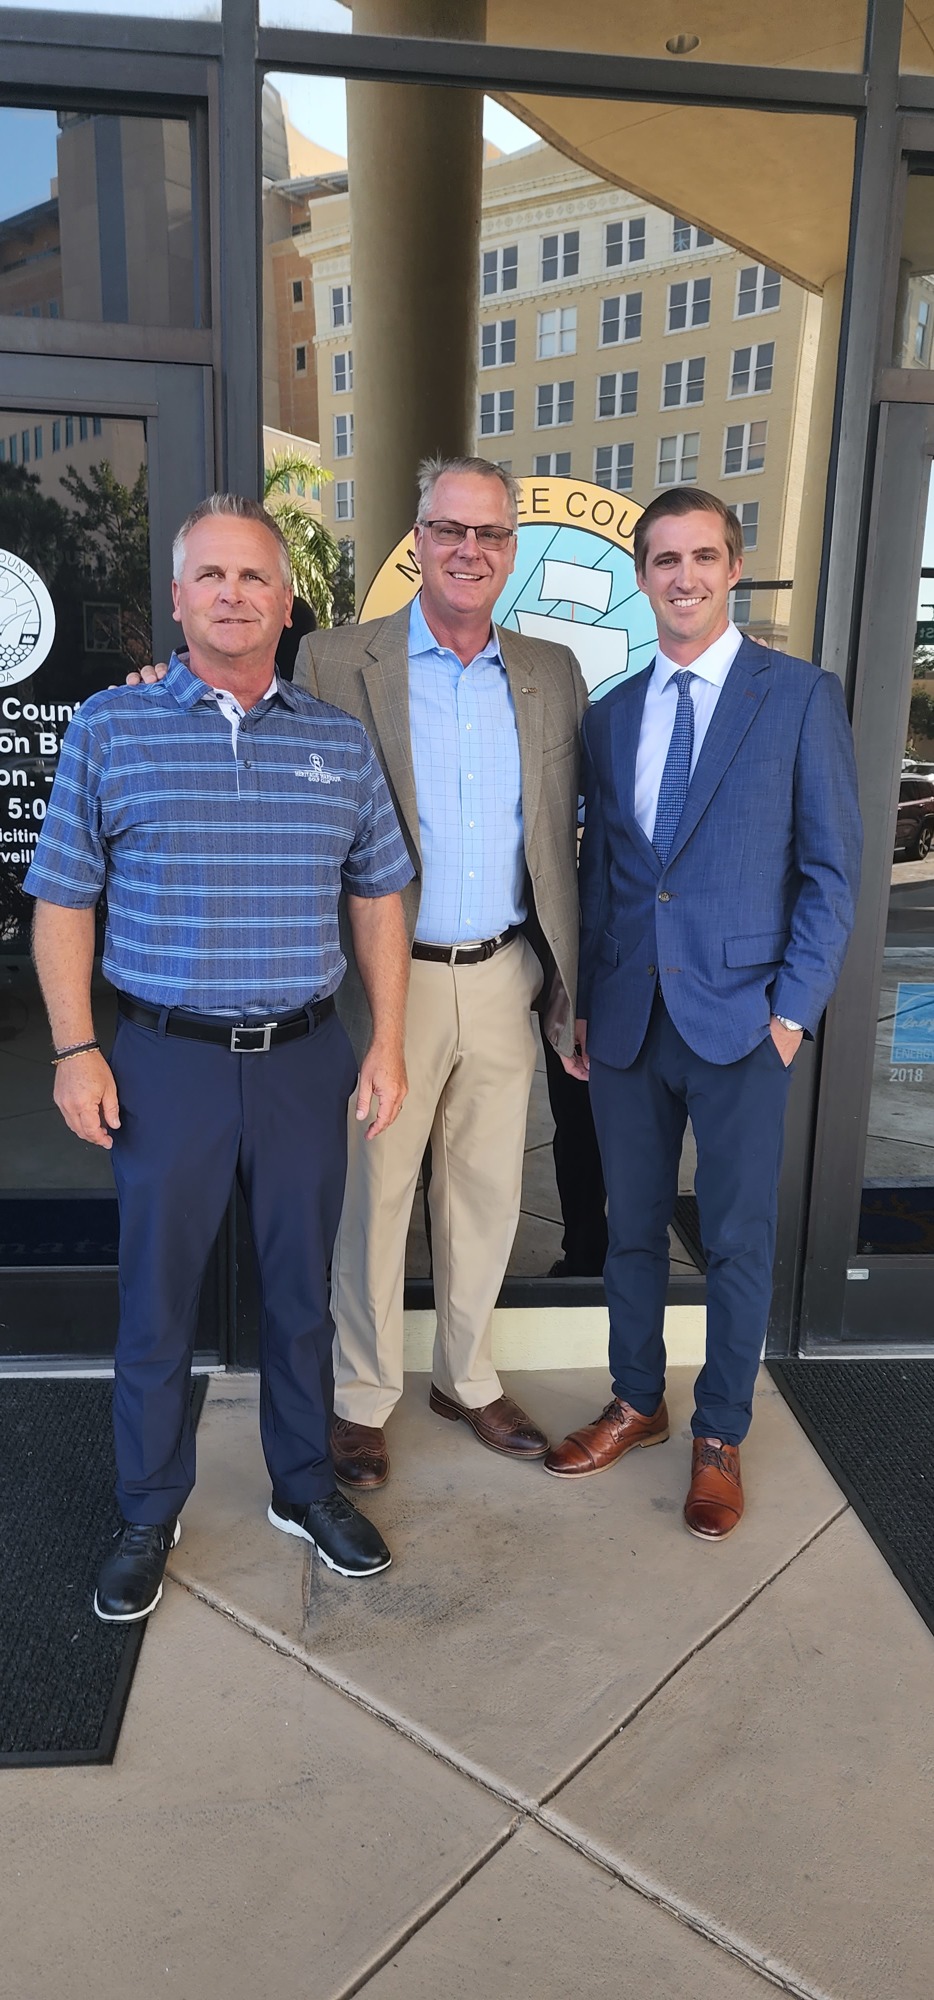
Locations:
(187, 689)
(712, 666)
(422, 639)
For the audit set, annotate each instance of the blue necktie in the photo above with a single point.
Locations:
(676, 776)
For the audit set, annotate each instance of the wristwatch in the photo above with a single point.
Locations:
(794, 1027)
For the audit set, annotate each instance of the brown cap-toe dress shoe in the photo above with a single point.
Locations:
(714, 1506)
(618, 1429)
(358, 1453)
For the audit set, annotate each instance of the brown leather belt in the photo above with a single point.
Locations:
(242, 1038)
(463, 954)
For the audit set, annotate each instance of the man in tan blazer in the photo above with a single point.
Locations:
(476, 729)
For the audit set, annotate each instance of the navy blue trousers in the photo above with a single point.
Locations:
(194, 1117)
(737, 1111)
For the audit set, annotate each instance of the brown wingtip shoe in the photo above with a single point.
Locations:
(618, 1429)
(714, 1506)
(358, 1453)
(502, 1426)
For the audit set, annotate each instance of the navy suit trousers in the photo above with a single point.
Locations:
(737, 1111)
(194, 1117)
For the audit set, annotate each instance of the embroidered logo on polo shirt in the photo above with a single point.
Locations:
(316, 773)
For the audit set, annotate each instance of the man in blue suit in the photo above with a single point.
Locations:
(718, 878)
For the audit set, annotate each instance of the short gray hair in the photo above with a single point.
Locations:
(237, 508)
(432, 469)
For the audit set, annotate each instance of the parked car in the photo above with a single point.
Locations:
(914, 825)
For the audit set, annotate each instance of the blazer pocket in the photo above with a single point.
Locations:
(554, 752)
(766, 948)
(615, 951)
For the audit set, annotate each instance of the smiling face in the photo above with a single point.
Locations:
(687, 579)
(232, 599)
(460, 585)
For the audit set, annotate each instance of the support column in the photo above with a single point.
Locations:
(807, 561)
(415, 157)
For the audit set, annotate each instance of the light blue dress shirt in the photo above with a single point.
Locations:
(658, 716)
(468, 782)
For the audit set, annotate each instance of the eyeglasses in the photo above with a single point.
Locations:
(449, 534)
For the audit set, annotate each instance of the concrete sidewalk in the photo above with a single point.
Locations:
(560, 1747)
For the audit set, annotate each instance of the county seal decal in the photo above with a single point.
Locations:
(27, 620)
(574, 579)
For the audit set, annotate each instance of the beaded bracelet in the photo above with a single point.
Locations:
(79, 1049)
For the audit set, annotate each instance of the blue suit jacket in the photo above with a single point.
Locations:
(752, 912)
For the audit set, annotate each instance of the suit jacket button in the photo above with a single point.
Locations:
(652, 970)
(664, 895)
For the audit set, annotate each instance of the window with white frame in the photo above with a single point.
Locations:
(301, 359)
(747, 514)
(342, 372)
(497, 412)
(557, 332)
(554, 404)
(744, 448)
(561, 255)
(620, 319)
(499, 270)
(298, 291)
(683, 382)
(343, 499)
(553, 465)
(758, 290)
(343, 437)
(677, 459)
(684, 236)
(624, 242)
(921, 329)
(612, 466)
(751, 369)
(740, 604)
(341, 307)
(617, 395)
(498, 343)
(688, 304)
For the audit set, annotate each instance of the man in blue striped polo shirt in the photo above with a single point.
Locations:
(222, 811)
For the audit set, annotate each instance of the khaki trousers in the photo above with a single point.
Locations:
(470, 1055)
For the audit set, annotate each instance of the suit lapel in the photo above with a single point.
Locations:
(386, 677)
(528, 697)
(741, 698)
(626, 725)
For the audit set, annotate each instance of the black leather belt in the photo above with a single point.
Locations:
(242, 1038)
(463, 954)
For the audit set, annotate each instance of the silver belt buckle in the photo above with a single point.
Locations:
(260, 1048)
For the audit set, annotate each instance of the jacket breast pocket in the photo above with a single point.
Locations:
(765, 948)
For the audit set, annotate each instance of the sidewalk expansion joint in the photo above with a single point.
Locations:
(425, 1916)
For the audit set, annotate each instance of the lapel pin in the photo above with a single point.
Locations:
(529, 690)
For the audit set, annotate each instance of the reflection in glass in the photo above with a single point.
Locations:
(96, 218)
(914, 317)
(897, 1214)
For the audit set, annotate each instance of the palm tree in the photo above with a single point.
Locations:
(313, 551)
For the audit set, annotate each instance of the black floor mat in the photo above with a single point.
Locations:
(64, 1676)
(873, 1424)
(686, 1224)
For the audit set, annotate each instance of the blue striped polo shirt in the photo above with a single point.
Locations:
(222, 855)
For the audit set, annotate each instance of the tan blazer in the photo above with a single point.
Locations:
(364, 669)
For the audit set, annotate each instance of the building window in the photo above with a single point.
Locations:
(561, 255)
(744, 448)
(97, 426)
(301, 359)
(621, 319)
(557, 332)
(37, 442)
(343, 437)
(343, 499)
(921, 330)
(82, 430)
(612, 466)
(54, 309)
(683, 382)
(14, 450)
(677, 459)
(25, 446)
(497, 412)
(758, 290)
(554, 404)
(553, 465)
(747, 514)
(2, 451)
(617, 394)
(751, 369)
(688, 304)
(740, 603)
(57, 434)
(342, 372)
(498, 343)
(500, 270)
(69, 430)
(624, 242)
(298, 291)
(340, 306)
(684, 236)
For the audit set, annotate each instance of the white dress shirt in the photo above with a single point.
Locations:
(658, 716)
